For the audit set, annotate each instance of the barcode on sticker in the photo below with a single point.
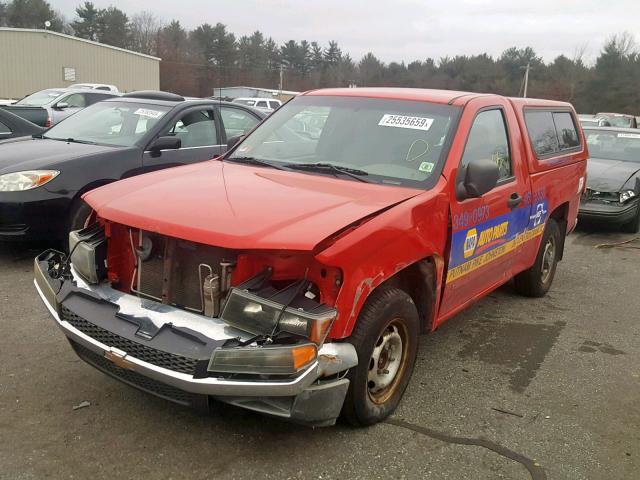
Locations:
(403, 121)
(629, 135)
(145, 112)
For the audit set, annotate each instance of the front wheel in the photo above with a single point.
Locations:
(536, 281)
(386, 340)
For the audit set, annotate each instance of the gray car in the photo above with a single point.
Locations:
(50, 106)
(613, 178)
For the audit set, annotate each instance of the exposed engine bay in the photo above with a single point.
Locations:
(263, 293)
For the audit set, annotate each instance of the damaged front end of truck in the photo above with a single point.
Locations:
(191, 322)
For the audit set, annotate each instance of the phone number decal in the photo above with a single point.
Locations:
(472, 217)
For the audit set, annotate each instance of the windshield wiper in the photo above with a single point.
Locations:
(70, 140)
(335, 169)
(256, 161)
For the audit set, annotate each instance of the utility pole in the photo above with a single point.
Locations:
(281, 78)
(526, 79)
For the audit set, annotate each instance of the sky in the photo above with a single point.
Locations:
(406, 30)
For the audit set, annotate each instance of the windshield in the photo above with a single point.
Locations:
(614, 145)
(109, 123)
(39, 99)
(391, 141)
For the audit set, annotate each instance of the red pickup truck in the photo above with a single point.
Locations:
(294, 275)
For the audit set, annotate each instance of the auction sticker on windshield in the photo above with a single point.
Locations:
(403, 121)
(145, 112)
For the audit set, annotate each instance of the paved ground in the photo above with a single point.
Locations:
(552, 384)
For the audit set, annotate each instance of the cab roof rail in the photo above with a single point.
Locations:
(155, 95)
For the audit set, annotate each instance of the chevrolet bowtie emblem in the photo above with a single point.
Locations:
(117, 357)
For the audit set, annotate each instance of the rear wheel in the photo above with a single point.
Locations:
(536, 281)
(634, 225)
(386, 339)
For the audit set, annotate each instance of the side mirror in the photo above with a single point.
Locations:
(231, 142)
(165, 143)
(479, 177)
(62, 105)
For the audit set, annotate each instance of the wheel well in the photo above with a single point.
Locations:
(561, 216)
(77, 197)
(419, 281)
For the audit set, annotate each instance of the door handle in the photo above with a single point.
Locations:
(514, 200)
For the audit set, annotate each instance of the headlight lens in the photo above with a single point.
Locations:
(279, 360)
(627, 195)
(259, 316)
(27, 180)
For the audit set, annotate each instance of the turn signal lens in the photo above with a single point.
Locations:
(272, 360)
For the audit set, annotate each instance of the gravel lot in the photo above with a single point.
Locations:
(512, 388)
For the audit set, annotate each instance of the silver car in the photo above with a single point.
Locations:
(59, 103)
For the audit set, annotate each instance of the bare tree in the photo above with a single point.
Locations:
(144, 32)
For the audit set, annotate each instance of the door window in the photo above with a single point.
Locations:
(196, 129)
(236, 121)
(488, 140)
(75, 100)
(4, 130)
(262, 104)
(274, 105)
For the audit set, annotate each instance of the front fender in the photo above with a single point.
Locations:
(385, 245)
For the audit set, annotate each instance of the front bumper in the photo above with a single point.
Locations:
(31, 215)
(104, 327)
(600, 212)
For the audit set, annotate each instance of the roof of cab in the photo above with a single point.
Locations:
(392, 93)
(451, 97)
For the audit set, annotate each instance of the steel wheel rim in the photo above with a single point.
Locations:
(388, 362)
(548, 257)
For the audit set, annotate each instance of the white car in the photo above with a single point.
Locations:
(267, 105)
(96, 86)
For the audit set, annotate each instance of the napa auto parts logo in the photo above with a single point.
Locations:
(488, 237)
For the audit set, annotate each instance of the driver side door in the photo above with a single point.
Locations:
(484, 230)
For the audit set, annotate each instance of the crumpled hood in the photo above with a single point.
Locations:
(241, 206)
(609, 175)
(26, 153)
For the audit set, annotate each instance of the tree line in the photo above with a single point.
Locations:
(209, 56)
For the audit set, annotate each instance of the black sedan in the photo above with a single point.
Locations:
(613, 178)
(13, 126)
(42, 178)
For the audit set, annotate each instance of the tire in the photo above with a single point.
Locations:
(634, 225)
(387, 328)
(536, 281)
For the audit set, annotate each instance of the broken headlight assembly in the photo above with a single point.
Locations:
(88, 252)
(257, 307)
